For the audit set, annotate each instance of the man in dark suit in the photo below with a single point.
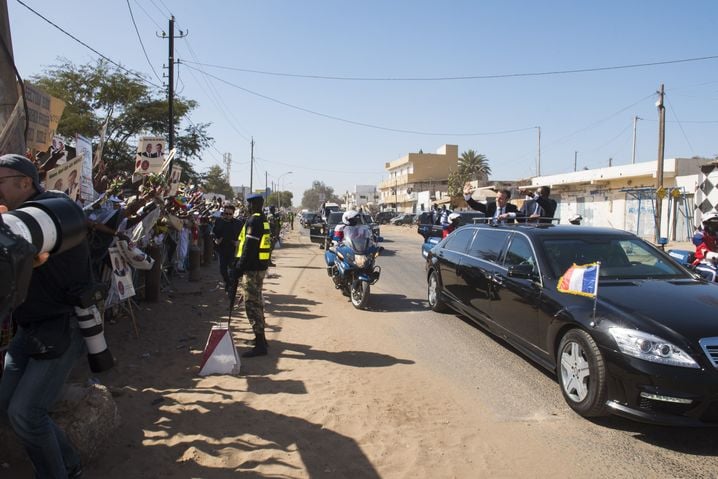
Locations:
(540, 208)
(501, 210)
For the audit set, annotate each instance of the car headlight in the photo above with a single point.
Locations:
(650, 348)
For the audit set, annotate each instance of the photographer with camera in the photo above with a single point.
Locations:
(48, 340)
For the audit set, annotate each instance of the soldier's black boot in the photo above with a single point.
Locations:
(260, 347)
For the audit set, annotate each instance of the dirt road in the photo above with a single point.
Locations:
(397, 391)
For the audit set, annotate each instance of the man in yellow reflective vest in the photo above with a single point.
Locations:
(253, 256)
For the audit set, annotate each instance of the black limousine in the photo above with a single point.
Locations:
(644, 347)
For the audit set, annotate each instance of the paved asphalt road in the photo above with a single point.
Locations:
(499, 380)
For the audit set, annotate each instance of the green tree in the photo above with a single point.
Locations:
(96, 92)
(472, 166)
(214, 181)
(281, 198)
(311, 199)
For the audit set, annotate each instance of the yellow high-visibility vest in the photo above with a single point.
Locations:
(265, 242)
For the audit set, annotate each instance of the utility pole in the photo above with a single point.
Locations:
(635, 123)
(8, 86)
(171, 82)
(610, 161)
(538, 162)
(575, 159)
(227, 158)
(659, 170)
(266, 186)
(251, 166)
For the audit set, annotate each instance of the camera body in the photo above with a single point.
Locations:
(51, 224)
(16, 257)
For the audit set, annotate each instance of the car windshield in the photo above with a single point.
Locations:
(621, 258)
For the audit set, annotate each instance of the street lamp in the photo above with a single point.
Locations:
(280, 188)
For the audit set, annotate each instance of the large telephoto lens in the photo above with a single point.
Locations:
(90, 323)
(52, 225)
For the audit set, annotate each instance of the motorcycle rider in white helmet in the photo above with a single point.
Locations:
(706, 258)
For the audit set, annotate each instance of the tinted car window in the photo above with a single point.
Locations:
(366, 219)
(520, 253)
(621, 258)
(459, 241)
(489, 244)
(335, 218)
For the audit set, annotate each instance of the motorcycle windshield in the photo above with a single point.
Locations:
(358, 238)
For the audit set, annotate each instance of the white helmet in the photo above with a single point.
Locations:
(710, 217)
(350, 217)
(454, 216)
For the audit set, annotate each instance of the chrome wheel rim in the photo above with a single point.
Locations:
(575, 373)
(432, 290)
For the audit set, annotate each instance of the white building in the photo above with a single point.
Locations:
(361, 196)
(624, 196)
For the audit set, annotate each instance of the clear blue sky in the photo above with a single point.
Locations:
(591, 112)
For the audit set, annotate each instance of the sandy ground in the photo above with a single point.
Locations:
(332, 399)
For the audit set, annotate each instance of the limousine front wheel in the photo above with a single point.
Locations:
(582, 374)
(434, 294)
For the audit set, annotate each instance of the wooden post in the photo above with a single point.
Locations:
(153, 276)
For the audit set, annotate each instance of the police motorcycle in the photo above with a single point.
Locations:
(350, 262)
(705, 240)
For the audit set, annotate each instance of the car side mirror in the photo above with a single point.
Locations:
(521, 271)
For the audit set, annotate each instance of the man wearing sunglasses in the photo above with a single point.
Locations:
(48, 340)
(226, 231)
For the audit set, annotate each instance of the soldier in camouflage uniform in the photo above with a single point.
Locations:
(253, 257)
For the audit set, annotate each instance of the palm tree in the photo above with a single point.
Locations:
(474, 166)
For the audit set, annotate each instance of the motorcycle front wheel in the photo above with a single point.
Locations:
(359, 294)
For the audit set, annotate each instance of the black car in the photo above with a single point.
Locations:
(307, 219)
(429, 230)
(644, 347)
(321, 232)
(383, 217)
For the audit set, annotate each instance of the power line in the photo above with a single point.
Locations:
(675, 115)
(139, 37)
(159, 9)
(367, 125)
(168, 10)
(147, 14)
(215, 97)
(88, 46)
(465, 77)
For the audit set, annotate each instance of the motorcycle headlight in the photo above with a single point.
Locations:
(650, 348)
(361, 260)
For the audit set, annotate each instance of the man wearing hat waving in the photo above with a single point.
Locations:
(253, 256)
(48, 339)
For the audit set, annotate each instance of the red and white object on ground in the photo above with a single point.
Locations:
(220, 356)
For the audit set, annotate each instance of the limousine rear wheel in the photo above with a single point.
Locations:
(434, 294)
(582, 374)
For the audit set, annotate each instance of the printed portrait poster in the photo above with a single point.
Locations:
(121, 275)
(150, 155)
(57, 149)
(175, 179)
(66, 177)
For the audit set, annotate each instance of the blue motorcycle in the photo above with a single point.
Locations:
(351, 266)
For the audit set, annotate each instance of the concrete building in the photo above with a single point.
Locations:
(624, 196)
(415, 173)
(362, 195)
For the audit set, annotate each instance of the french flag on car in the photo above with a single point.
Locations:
(581, 280)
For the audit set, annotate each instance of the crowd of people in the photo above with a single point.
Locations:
(41, 340)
